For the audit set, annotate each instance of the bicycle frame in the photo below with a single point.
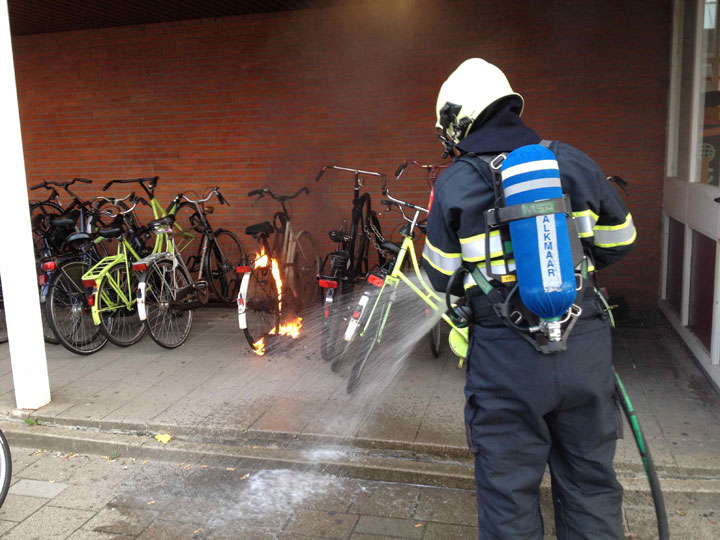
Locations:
(424, 291)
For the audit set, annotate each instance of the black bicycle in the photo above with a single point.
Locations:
(349, 263)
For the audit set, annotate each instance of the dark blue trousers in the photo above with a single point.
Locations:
(525, 410)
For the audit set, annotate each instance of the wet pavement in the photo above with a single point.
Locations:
(80, 496)
(399, 436)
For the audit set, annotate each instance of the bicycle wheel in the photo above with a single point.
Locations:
(262, 312)
(117, 305)
(367, 342)
(67, 310)
(306, 265)
(334, 318)
(3, 324)
(5, 467)
(354, 323)
(220, 262)
(434, 337)
(360, 260)
(187, 238)
(167, 326)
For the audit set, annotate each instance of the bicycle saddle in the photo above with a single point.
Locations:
(112, 232)
(391, 246)
(166, 221)
(261, 228)
(77, 238)
(62, 222)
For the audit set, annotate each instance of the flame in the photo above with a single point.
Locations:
(259, 346)
(290, 328)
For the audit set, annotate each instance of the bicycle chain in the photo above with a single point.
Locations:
(371, 237)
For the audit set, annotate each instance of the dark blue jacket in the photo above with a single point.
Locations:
(456, 225)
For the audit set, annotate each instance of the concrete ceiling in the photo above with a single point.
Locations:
(43, 16)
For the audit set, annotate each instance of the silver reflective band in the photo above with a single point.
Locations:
(620, 235)
(445, 263)
(521, 168)
(532, 184)
(473, 248)
(584, 221)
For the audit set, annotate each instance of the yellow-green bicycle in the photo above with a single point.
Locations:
(370, 316)
(113, 283)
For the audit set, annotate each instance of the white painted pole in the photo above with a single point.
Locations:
(17, 260)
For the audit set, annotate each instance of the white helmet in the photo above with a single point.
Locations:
(469, 91)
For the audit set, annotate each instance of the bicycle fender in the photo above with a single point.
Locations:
(241, 301)
(140, 293)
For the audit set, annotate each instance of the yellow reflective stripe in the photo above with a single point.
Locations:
(441, 252)
(607, 236)
(444, 265)
(585, 221)
(473, 247)
(498, 267)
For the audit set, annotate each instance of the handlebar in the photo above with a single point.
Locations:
(213, 191)
(47, 183)
(149, 188)
(356, 172)
(260, 193)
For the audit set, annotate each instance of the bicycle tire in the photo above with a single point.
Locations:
(187, 237)
(648, 463)
(167, 327)
(120, 324)
(332, 321)
(359, 265)
(220, 262)
(45, 242)
(306, 265)
(3, 324)
(363, 307)
(262, 312)
(68, 313)
(367, 344)
(435, 339)
(5, 468)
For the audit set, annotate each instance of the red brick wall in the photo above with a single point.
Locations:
(266, 100)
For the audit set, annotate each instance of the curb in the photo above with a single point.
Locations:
(292, 452)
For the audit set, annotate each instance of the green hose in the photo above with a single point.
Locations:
(659, 502)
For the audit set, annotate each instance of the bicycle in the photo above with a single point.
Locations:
(219, 251)
(5, 467)
(112, 297)
(166, 293)
(292, 264)
(373, 307)
(349, 262)
(3, 324)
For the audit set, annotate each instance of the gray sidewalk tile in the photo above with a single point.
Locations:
(405, 528)
(386, 501)
(45, 489)
(437, 531)
(83, 497)
(84, 534)
(315, 524)
(50, 523)
(447, 506)
(121, 520)
(18, 507)
(169, 530)
(6, 526)
(53, 466)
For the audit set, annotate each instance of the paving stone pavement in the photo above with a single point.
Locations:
(57, 495)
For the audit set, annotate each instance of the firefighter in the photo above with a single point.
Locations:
(525, 409)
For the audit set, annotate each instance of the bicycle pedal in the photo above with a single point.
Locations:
(201, 285)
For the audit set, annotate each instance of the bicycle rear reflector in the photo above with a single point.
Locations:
(242, 269)
(91, 300)
(327, 284)
(88, 282)
(139, 266)
(375, 280)
(48, 266)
